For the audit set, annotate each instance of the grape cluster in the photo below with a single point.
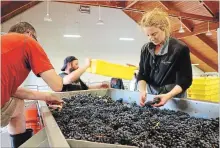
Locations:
(100, 119)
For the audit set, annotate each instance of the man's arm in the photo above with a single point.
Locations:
(75, 75)
(98, 86)
(27, 94)
(54, 81)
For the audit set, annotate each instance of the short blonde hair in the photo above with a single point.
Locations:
(158, 19)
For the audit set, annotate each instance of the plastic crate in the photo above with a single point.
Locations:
(111, 70)
(209, 98)
(215, 98)
(205, 92)
(206, 81)
(205, 87)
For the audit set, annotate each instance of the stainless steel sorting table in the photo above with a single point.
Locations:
(51, 135)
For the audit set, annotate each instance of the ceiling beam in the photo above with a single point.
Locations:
(208, 42)
(167, 5)
(131, 3)
(198, 29)
(191, 16)
(172, 13)
(202, 57)
(187, 25)
(109, 4)
(211, 6)
(14, 8)
(3, 3)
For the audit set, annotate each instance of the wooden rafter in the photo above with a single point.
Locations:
(202, 57)
(198, 29)
(208, 42)
(211, 6)
(131, 3)
(173, 13)
(185, 23)
(9, 11)
(4, 3)
(109, 4)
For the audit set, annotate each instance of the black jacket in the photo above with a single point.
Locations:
(172, 67)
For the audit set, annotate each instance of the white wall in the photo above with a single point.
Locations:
(97, 41)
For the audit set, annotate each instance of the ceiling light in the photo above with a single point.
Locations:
(47, 18)
(181, 30)
(72, 36)
(195, 64)
(75, 34)
(208, 33)
(126, 39)
(100, 21)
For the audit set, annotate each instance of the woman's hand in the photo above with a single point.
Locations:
(143, 96)
(163, 99)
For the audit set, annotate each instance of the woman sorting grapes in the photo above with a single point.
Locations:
(165, 67)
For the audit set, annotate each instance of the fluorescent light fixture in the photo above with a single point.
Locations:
(195, 64)
(72, 36)
(126, 39)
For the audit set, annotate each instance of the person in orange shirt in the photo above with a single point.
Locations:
(20, 54)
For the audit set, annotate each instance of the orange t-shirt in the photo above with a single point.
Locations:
(20, 54)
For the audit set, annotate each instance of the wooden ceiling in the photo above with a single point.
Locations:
(195, 16)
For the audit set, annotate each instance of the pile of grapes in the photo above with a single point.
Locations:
(99, 119)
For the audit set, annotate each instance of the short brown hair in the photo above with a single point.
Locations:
(22, 27)
(157, 18)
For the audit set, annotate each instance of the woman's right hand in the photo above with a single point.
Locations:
(143, 96)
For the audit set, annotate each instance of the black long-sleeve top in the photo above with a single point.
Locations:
(171, 67)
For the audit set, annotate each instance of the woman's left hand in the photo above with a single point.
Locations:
(163, 99)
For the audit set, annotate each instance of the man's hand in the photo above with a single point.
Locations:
(143, 96)
(53, 101)
(104, 85)
(163, 99)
